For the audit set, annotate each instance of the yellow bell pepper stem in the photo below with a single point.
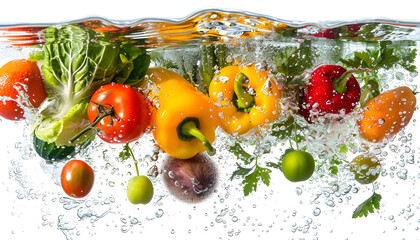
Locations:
(245, 101)
(189, 129)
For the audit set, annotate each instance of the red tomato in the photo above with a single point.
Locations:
(131, 114)
(77, 178)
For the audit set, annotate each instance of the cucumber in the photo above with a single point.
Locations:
(51, 153)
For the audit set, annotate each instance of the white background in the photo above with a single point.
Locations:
(313, 11)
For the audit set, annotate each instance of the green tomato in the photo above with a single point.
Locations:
(298, 166)
(366, 169)
(140, 190)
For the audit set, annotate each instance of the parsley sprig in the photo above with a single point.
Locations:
(292, 61)
(383, 56)
(252, 173)
(368, 206)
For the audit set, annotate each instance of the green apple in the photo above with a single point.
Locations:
(298, 166)
(139, 190)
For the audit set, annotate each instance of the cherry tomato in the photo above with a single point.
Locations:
(77, 178)
(130, 117)
(366, 169)
(298, 166)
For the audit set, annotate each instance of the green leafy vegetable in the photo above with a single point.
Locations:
(133, 65)
(251, 175)
(288, 129)
(334, 163)
(368, 206)
(251, 180)
(375, 31)
(212, 56)
(292, 62)
(76, 62)
(384, 55)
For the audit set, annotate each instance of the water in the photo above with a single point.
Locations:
(293, 210)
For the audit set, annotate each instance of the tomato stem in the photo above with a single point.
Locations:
(135, 161)
(108, 112)
(295, 136)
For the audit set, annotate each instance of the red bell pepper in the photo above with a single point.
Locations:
(331, 89)
(328, 33)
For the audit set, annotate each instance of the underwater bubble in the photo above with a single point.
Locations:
(316, 211)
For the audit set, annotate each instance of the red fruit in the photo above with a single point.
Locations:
(329, 91)
(327, 33)
(131, 113)
(77, 178)
(20, 78)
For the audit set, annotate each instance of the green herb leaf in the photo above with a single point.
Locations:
(369, 92)
(288, 129)
(274, 165)
(125, 153)
(212, 56)
(368, 206)
(250, 175)
(384, 55)
(334, 163)
(293, 61)
(251, 181)
(241, 154)
(133, 65)
(241, 171)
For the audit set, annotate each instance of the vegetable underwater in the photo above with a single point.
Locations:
(332, 89)
(184, 119)
(75, 62)
(241, 110)
(259, 106)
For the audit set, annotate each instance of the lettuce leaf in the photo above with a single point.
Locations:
(76, 62)
(60, 131)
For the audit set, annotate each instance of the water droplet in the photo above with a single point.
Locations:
(134, 221)
(159, 213)
(402, 174)
(316, 211)
(299, 191)
(125, 228)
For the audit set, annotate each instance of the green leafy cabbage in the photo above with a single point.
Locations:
(75, 63)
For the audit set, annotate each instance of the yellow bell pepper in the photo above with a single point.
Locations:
(241, 111)
(183, 119)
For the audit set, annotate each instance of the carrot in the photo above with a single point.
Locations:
(385, 115)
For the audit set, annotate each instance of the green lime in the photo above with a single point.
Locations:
(298, 166)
